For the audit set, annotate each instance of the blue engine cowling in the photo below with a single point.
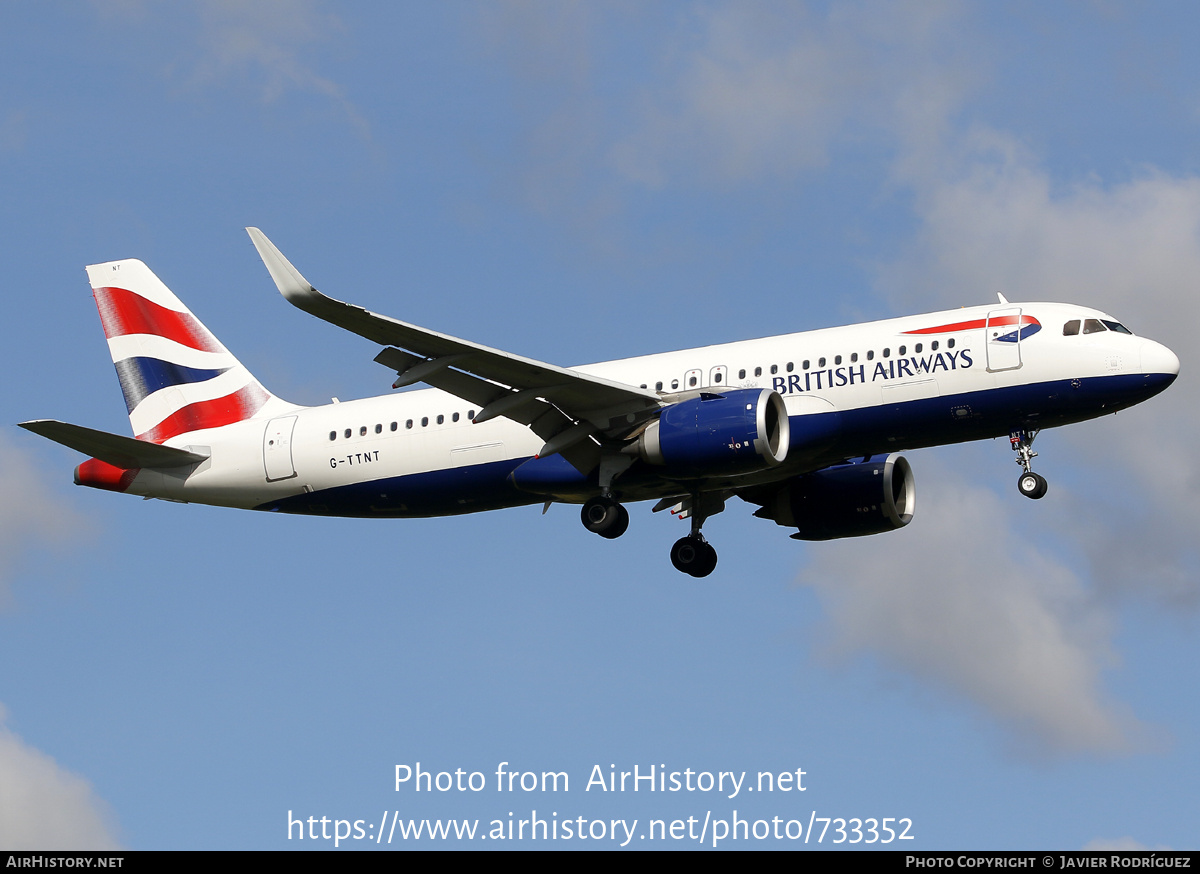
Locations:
(730, 433)
(847, 500)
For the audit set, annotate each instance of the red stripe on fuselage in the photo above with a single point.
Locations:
(977, 323)
(236, 407)
(124, 312)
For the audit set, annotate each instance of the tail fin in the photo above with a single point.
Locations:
(176, 376)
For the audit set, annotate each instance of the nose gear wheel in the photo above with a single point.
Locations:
(1030, 484)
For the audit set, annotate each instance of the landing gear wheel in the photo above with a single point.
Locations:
(1032, 485)
(619, 527)
(604, 516)
(693, 555)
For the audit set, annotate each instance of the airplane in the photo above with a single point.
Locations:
(809, 427)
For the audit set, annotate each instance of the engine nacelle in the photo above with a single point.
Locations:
(730, 433)
(847, 500)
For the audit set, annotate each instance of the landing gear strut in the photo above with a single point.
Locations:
(693, 554)
(602, 514)
(1030, 484)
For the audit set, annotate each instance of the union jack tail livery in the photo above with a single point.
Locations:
(176, 376)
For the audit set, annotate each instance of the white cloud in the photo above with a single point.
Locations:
(963, 599)
(31, 517)
(768, 90)
(266, 45)
(44, 806)
(995, 221)
(764, 92)
(1125, 843)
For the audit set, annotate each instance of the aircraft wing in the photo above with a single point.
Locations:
(564, 407)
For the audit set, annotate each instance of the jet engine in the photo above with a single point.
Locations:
(731, 433)
(847, 500)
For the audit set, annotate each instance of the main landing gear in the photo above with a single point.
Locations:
(604, 516)
(1030, 484)
(693, 554)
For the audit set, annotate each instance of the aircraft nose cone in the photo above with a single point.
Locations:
(1157, 359)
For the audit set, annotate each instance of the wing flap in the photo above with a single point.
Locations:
(542, 417)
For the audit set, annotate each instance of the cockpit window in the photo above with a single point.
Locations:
(1116, 326)
(1071, 328)
(1092, 326)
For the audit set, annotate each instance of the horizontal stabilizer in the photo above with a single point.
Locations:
(123, 452)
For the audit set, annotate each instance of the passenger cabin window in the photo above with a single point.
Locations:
(741, 374)
(1071, 328)
(658, 386)
(333, 435)
(758, 371)
(1092, 326)
(378, 429)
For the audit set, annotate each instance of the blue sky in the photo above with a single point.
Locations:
(578, 182)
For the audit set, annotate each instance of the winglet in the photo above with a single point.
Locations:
(298, 290)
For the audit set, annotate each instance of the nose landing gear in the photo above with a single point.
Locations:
(1030, 484)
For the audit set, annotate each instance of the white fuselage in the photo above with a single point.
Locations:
(886, 385)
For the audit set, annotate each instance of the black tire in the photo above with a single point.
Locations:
(1032, 485)
(619, 527)
(600, 514)
(693, 556)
